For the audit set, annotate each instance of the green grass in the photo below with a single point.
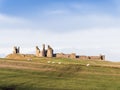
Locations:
(70, 75)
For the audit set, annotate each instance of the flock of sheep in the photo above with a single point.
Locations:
(57, 62)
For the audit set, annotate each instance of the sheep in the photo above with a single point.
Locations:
(87, 64)
(29, 59)
(59, 62)
(53, 62)
(48, 61)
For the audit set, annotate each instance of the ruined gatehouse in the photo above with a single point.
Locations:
(43, 52)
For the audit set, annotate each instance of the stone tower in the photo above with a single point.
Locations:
(37, 51)
(102, 57)
(16, 50)
(49, 52)
(43, 52)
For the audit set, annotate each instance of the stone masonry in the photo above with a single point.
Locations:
(49, 53)
(37, 51)
(16, 50)
(44, 52)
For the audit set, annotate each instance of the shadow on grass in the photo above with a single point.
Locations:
(27, 88)
(8, 88)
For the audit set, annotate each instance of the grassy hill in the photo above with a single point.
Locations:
(58, 74)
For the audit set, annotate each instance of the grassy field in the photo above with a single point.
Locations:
(38, 74)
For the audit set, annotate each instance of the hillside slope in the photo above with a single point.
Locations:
(58, 74)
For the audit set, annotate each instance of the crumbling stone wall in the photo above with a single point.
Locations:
(49, 53)
(66, 56)
(62, 55)
(59, 55)
(72, 55)
(101, 57)
(83, 57)
(94, 57)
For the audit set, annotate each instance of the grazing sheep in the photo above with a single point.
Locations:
(29, 59)
(48, 61)
(53, 62)
(87, 65)
(59, 62)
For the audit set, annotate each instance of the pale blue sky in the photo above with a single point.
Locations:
(87, 27)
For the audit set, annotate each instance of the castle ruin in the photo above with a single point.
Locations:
(49, 52)
(100, 57)
(62, 55)
(44, 52)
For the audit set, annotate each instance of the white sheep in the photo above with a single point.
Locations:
(53, 62)
(29, 59)
(59, 62)
(87, 65)
(48, 61)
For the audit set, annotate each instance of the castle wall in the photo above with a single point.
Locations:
(49, 53)
(94, 57)
(73, 55)
(62, 55)
(101, 57)
(59, 55)
(83, 57)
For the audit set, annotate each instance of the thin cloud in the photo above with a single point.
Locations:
(70, 22)
(56, 12)
(12, 20)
